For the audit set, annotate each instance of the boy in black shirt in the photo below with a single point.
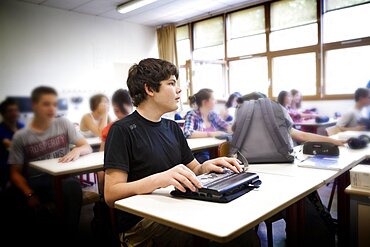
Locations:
(144, 152)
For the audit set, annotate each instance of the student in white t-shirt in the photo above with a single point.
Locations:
(351, 119)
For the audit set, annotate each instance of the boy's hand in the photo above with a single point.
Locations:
(179, 176)
(216, 165)
(71, 156)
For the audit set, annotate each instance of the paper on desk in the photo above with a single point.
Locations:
(321, 162)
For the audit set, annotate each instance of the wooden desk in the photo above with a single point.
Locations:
(197, 144)
(260, 204)
(345, 135)
(94, 141)
(85, 164)
(348, 158)
(221, 222)
(316, 127)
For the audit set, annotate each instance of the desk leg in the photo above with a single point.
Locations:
(343, 209)
(295, 222)
(59, 195)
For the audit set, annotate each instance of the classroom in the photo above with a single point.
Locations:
(141, 99)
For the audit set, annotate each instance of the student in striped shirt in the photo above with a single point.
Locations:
(203, 121)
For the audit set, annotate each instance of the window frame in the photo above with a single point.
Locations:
(319, 49)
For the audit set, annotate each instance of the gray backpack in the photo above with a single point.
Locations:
(261, 133)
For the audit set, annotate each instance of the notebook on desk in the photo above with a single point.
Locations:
(327, 162)
(222, 187)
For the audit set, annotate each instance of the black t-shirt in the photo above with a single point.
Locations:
(141, 148)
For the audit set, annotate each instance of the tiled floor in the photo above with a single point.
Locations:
(88, 238)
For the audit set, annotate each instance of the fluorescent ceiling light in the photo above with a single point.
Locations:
(132, 5)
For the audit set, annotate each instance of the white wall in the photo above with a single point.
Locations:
(77, 54)
(329, 107)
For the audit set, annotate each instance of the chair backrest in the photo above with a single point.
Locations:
(223, 149)
(332, 130)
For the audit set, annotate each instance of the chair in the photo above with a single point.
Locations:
(332, 130)
(223, 150)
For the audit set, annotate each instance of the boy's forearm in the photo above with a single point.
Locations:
(85, 149)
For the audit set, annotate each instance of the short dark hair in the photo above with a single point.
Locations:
(40, 91)
(5, 104)
(202, 94)
(231, 98)
(281, 97)
(120, 98)
(95, 101)
(361, 93)
(149, 71)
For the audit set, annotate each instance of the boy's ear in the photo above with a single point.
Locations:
(149, 91)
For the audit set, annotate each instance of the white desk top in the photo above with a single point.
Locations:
(221, 221)
(95, 161)
(312, 122)
(345, 135)
(203, 143)
(93, 141)
(87, 163)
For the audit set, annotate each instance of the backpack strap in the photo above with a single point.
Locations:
(242, 123)
(270, 122)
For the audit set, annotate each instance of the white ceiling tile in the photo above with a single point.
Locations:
(155, 14)
(96, 7)
(65, 4)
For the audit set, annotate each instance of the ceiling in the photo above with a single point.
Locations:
(157, 13)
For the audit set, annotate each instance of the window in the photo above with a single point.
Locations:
(209, 75)
(249, 75)
(346, 70)
(246, 32)
(209, 39)
(184, 84)
(322, 61)
(293, 24)
(294, 71)
(346, 23)
(183, 44)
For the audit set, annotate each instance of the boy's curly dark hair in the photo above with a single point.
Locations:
(149, 71)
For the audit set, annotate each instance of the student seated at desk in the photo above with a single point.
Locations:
(351, 119)
(144, 152)
(204, 122)
(285, 99)
(122, 106)
(10, 124)
(296, 135)
(93, 123)
(296, 104)
(46, 137)
(228, 113)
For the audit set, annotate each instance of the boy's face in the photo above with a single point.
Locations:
(168, 96)
(46, 107)
(365, 101)
(11, 113)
